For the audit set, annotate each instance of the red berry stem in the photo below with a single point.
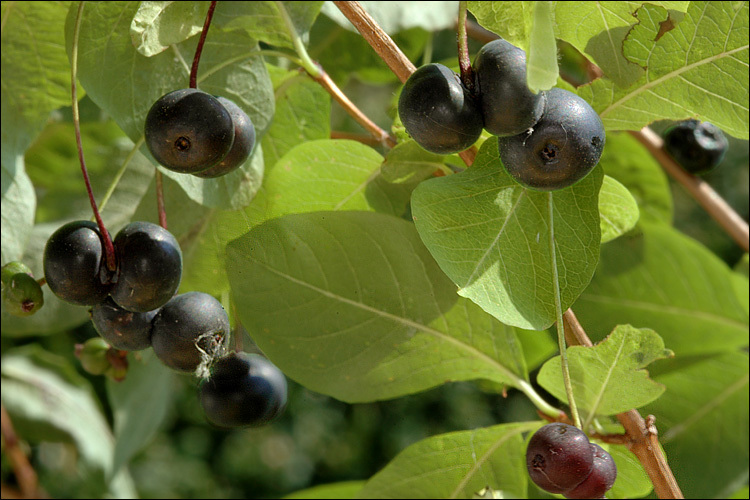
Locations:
(199, 48)
(160, 200)
(464, 62)
(109, 248)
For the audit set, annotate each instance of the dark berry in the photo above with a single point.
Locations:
(559, 457)
(243, 390)
(561, 149)
(698, 147)
(122, 329)
(600, 480)
(438, 112)
(190, 326)
(507, 105)
(74, 264)
(22, 295)
(244, 141)
(149, 267)
(188, 131)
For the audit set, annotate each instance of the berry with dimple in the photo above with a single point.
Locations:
(559, 457)
(601, 478)
(22, 294)
(74, 264)
(698, 146)
(122, 329)
(561, 149)
(438, 112)
(188, 328)
(188, 131)
(244, 141)
(507, 105)
(149, 267)
(243, 390)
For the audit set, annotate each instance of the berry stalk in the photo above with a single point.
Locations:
(109, 248)
(199, 48)
(464, 61)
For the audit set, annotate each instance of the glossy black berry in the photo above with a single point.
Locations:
(697, 146)
(22, 294)
(122, 329)
(149, 267)
(559, 457)
(74, 264)
(507, 105)
(190, 326)
(601, 479)
(188, 131)
(438, 112)
(561, 149)
(243, 390)
(244, 142)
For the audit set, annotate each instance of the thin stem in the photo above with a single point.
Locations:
(109, 249)
(24, 472)
(199, 48)
(160, 200)
(299, 47)
(703, 193)
(120, 173)
(559, 312)
(464, 61)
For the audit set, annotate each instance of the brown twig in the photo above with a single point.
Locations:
(364, 139)
(703, 193)
(25, 474)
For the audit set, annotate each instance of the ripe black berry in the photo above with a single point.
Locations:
(244, 141)
(698, 147)
(601, 479)
(438, 112)
(507, 105)
(149, 267)
(559, 457)
(561, 149)
(188, 327)
(74, 264)
(188, 131)
(122, 329)
(243, 390)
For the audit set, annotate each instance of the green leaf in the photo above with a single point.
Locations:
(541, 64)
(456, 465)
(351, 304)
(632, 481)
(16, 210)
(702, 420)
(230, 66)
(343, 489)
(303, 113)
(394, 17)
(513, 21)
(157, 25)
(408, 161)
(262, 20)
(492, 238)
(698, 69)
(618, 210)
(627, 161)
(139, 405)
(35, 392)
(609, 378)
(669, 282)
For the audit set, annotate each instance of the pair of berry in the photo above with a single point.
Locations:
(547, 141)
(560, 459)
(192, 132)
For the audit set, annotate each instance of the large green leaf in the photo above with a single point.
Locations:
(343, 489)
(352, 305)
(609, 378)
(702, 420)
(542, 70)
(698, 69)
(457, 465)
(493, 238)
(618, 210)
(511, 20)
(230, 66)
(157, 25)
(663, 280)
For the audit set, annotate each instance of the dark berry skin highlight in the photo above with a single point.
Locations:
(559, 457)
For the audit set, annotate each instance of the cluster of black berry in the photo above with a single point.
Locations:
(547, 141)
(698, 146)
(560, 459)
(192, 132)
